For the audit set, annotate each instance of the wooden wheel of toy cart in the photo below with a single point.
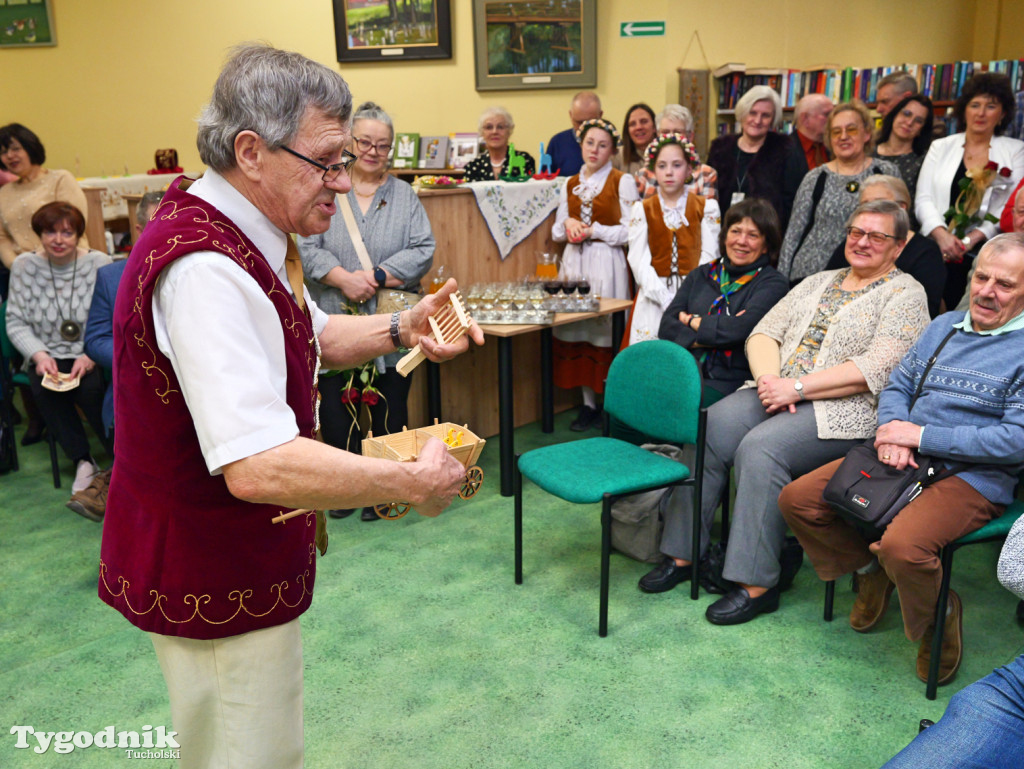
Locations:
(474, 478)
(392, 511)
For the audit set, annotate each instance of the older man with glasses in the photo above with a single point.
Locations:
(217, 349)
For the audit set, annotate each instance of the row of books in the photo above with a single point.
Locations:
(451, 151)
(940, 82)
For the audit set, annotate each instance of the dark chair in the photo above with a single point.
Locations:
(653, 387)
(20, 378)
(994, 530)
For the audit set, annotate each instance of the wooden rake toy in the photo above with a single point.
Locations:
(447, 325)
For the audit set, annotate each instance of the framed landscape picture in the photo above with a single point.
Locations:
(524, 44)
(26, 23)
(380, 30)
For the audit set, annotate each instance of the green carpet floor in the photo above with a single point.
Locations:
(421, 652)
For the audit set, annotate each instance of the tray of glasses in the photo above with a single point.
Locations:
(515, 317)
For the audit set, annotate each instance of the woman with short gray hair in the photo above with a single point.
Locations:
(495, 127)
(751, 163)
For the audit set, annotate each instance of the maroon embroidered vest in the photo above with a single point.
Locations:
(180, 555)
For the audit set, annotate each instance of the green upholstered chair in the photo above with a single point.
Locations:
(21, 378)
(653, 387)
(996, 529)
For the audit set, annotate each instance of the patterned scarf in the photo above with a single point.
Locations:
(728, 284)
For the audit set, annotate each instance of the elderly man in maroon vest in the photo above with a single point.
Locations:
(217, 349)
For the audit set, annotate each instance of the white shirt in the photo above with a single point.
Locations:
(224, 337)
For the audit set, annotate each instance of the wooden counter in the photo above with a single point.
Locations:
(469, 390)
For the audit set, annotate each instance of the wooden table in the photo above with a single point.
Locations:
(506, 410)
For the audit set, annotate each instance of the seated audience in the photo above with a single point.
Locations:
(22, 154)
(51, 289)
(496, 126)
(982, 725)
(920, 258)
(393, 227)
(718, 304)
(819, 358)
(984, 109)
(91, 502)
(639, 132)
(892, 89)
(828, 194)
(806, 150)
(677, 119)
(752, 163)
(904, 139)
(669, 234)
(959, 417)
(566, 158)
(593, 216)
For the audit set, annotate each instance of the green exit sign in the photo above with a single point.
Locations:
(642, 29)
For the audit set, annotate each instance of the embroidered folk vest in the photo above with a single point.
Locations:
(181, 556)
(605, 207)
(659, 236)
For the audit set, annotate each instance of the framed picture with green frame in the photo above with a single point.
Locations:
(525, 44)
(386, 30)
(26, 23)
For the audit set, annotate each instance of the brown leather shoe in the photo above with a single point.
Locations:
(952, 644)
(91, 502)
(873, 592)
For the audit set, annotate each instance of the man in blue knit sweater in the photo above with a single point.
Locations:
(971, 410)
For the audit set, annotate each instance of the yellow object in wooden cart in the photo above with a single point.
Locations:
(405, 446)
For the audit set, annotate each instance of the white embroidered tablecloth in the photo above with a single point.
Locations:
(114, 187)
(513, 210)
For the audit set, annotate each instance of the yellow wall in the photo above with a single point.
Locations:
(128, 77)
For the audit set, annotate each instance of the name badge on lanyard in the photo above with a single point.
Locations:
(737, 197)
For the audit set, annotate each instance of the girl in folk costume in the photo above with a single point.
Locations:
(593, 215)
(670, 234)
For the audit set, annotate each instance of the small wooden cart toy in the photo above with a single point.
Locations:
(405, 447)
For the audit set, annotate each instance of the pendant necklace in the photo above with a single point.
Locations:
(70, 331)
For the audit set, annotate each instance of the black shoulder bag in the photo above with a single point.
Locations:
(869, 493)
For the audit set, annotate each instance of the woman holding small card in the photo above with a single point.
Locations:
(51, 289)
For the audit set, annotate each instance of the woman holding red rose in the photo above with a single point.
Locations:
(991, 164)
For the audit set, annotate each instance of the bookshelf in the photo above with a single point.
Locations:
(940, 82)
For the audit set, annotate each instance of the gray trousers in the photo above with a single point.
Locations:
(767, 452)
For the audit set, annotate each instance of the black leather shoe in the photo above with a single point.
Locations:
(664, 577)
(369, 514)
(737, 607)
(586, 419)
(790, 561)
(344, 512)
(33, 435)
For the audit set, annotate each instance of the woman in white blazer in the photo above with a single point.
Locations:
(984, 109)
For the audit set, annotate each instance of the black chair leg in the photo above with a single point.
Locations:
(517, 490)
(830, 597)
(53, 458)
(695, 550)
(606, 556)
(940, 622)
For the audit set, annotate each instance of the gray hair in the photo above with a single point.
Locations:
(501, 112)
(894, 184)
(370, 111)
(900, 220)
(148, 201)
(756, 94)
(1006, 241)
(268, 91)
(808, 102)
(678, 113)
(901, 81)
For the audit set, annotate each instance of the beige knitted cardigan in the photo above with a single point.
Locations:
(874, 331)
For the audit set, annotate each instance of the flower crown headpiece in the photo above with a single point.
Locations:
(689, 151)
(603, 124)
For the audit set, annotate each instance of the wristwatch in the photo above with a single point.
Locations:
(380, 276)
(799, 387)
